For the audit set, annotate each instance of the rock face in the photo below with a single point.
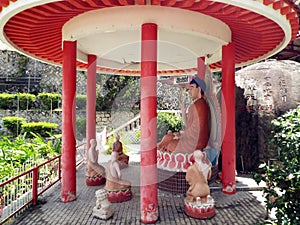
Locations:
(21, 74)
(265, 91)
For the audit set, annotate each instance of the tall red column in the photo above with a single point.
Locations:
(148, 181)
(228, 120)
(91, 100)
(91, 111)
(69, 122)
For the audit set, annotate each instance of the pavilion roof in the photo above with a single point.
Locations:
(259, 29)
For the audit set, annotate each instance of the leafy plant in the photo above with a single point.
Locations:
(283, 175)
(17, 153)
(43, 128)
(113, 86)
(23, 60)
(6, 100)
(81, 101)
(49, 100)
(80, 128)
(25, 100)
(168, 121)
(13, 124)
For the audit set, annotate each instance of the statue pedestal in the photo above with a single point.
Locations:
(199, 210)
(119, 195)
(95, 181)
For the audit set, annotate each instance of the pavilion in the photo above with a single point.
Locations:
(146, 38)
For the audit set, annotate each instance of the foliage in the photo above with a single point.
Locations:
(6, 100)
(25, 100)
(283, 175)
(113, 86)
(15, 153)
(23, 60)
(81, 101)
(43, 128)
(109, 142)
(168, 121)
(80, 128)
(50, 100)
(13, 124)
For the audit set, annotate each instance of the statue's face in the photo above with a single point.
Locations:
(194, 91)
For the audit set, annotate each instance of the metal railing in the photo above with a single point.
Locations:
(19, 192)
(129, 125)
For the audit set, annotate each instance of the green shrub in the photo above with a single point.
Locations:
(49, 100)
(13, 124)
(168, 121)
(282, 176)
(6, 100)
(80, 128)
(81, 101)
(43, 128)
(25, 100)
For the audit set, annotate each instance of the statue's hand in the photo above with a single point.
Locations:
(176, 135)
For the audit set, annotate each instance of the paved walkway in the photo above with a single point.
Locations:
(242, 208)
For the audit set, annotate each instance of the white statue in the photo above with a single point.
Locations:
(103, 209)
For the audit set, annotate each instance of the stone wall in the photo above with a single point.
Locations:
(110, 120)
(40, 77)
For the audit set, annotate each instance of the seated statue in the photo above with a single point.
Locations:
(122, 158)
(197, 176)
(196, 132)
(95, 172)
(103, 209)
(118, 190)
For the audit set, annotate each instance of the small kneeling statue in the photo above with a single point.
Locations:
(198, 202)
(95, 172)
(102, 210)
(118, 190)
(122, 158)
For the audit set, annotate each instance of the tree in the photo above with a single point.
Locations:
(283, 175)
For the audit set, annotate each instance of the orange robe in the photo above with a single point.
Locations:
(118, 147)
(196, 134)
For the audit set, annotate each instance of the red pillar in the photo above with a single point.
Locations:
(148, 181)
(91, 100)
(201, 68)
(228, 120)
(91, 110)
(69, 122)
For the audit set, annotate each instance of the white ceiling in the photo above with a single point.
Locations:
(114, 35)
